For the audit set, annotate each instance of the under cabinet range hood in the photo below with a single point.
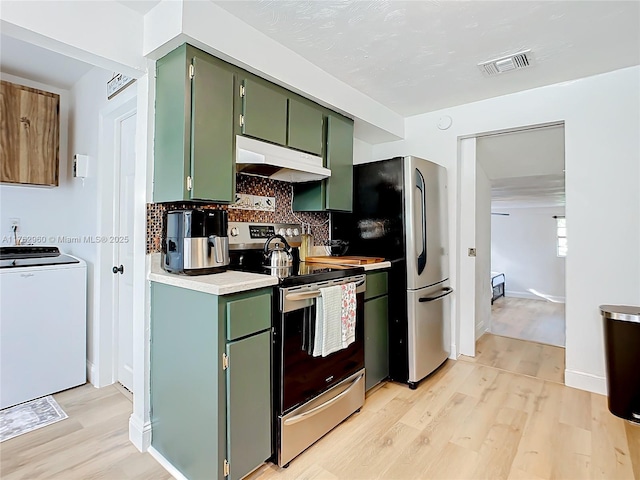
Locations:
(254, 157)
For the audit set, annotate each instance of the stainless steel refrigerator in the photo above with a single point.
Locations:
(400, 213)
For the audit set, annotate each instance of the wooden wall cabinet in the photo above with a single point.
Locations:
(29, 135)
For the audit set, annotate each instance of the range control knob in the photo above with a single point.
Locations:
(234, 232)
(296, 232)
(281, 232)
(289, 232)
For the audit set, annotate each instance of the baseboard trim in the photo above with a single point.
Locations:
(91, 373)
(585, 381)
(173, 471)
(480, 329)
(139, 433)
(529, 295)
(454, 352)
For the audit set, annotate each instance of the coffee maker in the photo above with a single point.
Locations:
(196, 242)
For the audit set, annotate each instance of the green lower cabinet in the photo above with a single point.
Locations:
(249, 403)
(376, 340)
(376, 328)
(210, 397)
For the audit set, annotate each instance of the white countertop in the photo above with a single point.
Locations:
(376, 266)
(217, 284)
(227, 282)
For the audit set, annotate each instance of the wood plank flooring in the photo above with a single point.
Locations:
(474, 421)
(518, 356)
(535, 320)
(93, 443)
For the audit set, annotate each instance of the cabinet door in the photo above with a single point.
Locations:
(376, 340)
(304, 127)
(264, 109)
(340, 162)
(30, 135)
(212, 138)
(249, 403)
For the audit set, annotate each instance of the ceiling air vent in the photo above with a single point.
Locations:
(516, 61)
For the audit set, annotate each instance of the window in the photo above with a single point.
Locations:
(561, 233)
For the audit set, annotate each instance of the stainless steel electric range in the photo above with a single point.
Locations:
(311, 395)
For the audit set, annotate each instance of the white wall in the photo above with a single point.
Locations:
(81, 30)
(601, 115)
(483, 252)
(362, 152)
(524, 248)
(88, 101)
(42, 210)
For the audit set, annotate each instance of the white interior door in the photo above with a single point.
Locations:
(124, 251)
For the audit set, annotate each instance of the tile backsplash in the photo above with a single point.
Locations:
(256, 196)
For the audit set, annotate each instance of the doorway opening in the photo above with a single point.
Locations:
(520, 240)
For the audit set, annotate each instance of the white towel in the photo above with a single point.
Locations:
(328, 335)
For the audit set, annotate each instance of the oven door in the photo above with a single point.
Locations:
(303, 376)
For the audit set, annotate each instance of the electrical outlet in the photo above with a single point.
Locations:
(15, 222)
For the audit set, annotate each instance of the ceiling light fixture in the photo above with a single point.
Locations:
(515, 61)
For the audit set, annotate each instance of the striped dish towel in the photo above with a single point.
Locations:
(348, 310)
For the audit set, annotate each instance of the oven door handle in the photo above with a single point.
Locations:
(312, 294)
(303, 295)
(325, 405)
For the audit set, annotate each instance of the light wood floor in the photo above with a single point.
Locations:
(471, 421)
(93, 443)
(545, 362)
(467, 421)
(535, 320)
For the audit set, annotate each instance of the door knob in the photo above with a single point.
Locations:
(119, 269)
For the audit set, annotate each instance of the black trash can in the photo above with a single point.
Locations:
(622, 351)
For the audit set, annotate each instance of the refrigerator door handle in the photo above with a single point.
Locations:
(446, 291)
(422, 258)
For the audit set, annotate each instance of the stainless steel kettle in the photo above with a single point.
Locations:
(279, 260)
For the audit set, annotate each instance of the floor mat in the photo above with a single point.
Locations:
(29, 416)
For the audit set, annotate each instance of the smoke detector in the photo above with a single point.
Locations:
(515, 61)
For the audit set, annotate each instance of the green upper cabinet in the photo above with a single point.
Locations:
(340, 162)
(336, 192)
(273, 114)
(194, 151)
(264, 111)
(305, 127)
(202, 103)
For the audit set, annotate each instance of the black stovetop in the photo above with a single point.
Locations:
(302, 273)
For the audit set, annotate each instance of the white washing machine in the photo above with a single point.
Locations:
(43, 323)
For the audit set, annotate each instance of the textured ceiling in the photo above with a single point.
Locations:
(420, 56)
(526, 168)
